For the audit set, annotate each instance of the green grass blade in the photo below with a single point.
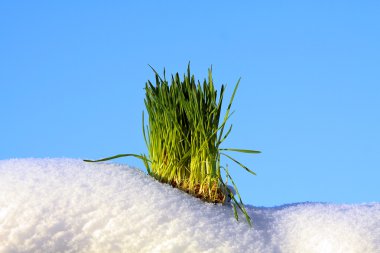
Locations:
(117, 156)
(143, 129)
(235, 212)
(240, 164)
(249, 151)
(235, 202)
(243, 210)
(228, 110)
(155, 72)
(234, 185)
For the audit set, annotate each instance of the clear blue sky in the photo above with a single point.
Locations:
(72, 76)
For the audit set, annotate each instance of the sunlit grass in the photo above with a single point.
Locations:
(183, 136)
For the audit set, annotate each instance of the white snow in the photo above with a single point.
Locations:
(66, 205)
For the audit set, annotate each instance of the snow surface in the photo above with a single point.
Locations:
(66, 205)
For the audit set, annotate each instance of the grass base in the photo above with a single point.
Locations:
(208, 194)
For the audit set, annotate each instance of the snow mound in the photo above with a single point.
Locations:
(66, 205)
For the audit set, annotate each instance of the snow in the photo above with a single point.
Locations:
(66, 205)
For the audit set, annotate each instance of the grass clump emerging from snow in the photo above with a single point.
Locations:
(183, 137)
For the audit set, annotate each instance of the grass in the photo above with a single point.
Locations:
(183, 137)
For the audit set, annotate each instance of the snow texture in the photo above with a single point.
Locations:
(66, 205)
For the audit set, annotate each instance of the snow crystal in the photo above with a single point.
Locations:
(66, 205)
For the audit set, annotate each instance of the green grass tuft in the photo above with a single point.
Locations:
(183, 137)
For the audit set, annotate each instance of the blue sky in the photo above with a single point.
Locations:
(72, 77)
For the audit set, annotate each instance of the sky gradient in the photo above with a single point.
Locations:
(72, 77)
